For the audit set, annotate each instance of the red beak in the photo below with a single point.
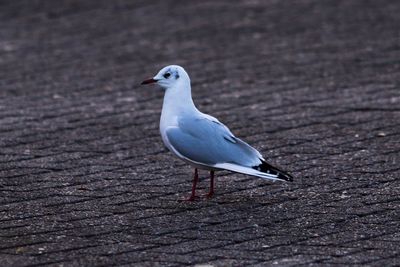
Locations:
(148, 81)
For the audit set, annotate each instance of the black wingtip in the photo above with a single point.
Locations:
(269, 169)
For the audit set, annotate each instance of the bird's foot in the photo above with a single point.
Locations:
(210, 194)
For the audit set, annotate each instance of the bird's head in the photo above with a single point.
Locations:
(169, 77)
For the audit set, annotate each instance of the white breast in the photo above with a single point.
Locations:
(167, 120)
(177, 102)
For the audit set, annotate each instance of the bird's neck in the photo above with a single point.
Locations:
(178, 100)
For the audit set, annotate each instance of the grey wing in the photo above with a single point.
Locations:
(205, 140)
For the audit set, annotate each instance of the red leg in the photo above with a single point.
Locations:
(195, 180)
(211, 192)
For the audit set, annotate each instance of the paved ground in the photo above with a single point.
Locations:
(85, 179)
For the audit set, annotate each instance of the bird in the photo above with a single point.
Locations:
(200, 139)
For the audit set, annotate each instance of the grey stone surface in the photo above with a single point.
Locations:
(86, 181)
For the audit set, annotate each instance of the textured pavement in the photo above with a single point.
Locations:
(85, 179)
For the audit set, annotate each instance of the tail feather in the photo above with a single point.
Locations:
(267, 168)
(273, 175)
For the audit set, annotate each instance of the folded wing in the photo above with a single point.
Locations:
(205, 140)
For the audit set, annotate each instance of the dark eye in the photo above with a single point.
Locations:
(166, 75)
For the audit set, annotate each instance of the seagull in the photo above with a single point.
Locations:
(201, 140)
